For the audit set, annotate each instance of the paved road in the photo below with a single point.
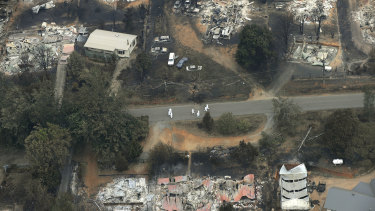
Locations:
(60, 82)
(309, 103)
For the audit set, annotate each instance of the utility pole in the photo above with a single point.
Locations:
(324, 68)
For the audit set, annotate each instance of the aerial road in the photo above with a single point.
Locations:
(307, 103)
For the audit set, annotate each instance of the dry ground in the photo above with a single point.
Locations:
(186, 140)
(331, 86)
(180, 139)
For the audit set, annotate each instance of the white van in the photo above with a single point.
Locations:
(171, 59)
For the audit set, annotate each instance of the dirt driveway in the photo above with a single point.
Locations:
(184, 140)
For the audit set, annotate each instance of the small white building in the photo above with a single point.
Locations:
(103, 43)
(293, 185)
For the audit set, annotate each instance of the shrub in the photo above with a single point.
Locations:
(226, 124)
(245, 153)
(243, 126)
(207, 122)
(121, 163)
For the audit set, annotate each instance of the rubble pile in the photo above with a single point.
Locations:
(314, 54)
(365, 16)
(125, 192)
(308, 9)
(181, 193)
(224, 17)
(53, 36)
(6, 11)
(45, 6)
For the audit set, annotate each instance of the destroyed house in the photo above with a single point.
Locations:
(360, 198)
(106, 43)
(293, 185)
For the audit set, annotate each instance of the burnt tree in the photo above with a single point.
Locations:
(319, 16)
(286, 21)
(44, 57)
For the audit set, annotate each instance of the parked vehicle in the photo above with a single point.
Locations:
(181, 62)
(171, 59)
(187, 4)
(177, 4)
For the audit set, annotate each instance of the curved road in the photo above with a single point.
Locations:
(307, 103)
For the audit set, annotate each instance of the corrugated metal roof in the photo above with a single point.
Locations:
(365, 188)
(347, 200)
(109, 41)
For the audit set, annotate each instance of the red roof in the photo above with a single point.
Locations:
(207, 207)
(207, 183)
(249, 179)
(172, 189)
(245, 190)
(172, 203)
(222, 197)
(163, 181)
(68, 49)
(179, 178)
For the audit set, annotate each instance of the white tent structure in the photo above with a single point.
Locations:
(293, 185)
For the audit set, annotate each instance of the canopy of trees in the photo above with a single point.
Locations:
(97, 118)
(339, 131)
(348, 138)
(30, 119)
(255, 47)
(47, 149)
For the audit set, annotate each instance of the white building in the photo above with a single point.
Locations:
(106, 43)
(293, 185)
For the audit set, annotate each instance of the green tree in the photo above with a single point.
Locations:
(21, 110)
(43, 106)
(269, 142)
(47, 149)
(255, 47)
(207, 122)
(243, 126)
(14, 119)
(226, 124)
(368, 103)
(37, 197)
(64, 203)
(142, 65)
(99, 119)
(245, 153)
(286, 114)
(362, 146)
(340, 128)
(75, 66)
